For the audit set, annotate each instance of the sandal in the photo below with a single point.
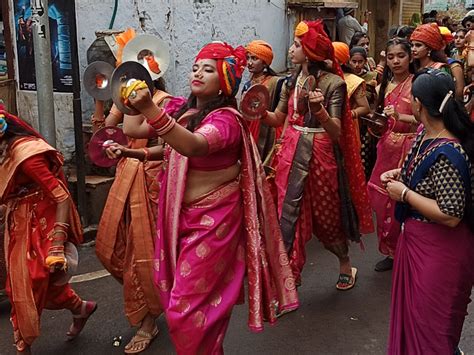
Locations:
(346, 282)
(141, 341)
(79, 320)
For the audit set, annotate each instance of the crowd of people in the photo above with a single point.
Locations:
(205, 200)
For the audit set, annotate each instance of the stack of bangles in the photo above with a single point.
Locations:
(322, 115)
(379, 69)
(403, 196)
(98, 122)
(162, 123)
(56, 250)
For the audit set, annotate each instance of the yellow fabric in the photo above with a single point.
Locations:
(52, 260)
(261, 50)
(446, 33)
(135, 86)
(301, 29)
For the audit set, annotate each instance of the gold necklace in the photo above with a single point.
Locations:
(423, 140)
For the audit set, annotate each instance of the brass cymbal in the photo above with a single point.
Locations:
(255, 101)
(97, 80)
(148, 45)
(124, 75)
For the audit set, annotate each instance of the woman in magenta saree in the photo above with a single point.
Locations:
(216, 218)
(433, 274)
(395, 99)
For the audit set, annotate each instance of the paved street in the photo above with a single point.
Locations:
(328, 321)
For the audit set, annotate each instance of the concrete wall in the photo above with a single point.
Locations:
(185, 24)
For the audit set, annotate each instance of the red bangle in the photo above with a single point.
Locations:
(162, 123)
(322, 115)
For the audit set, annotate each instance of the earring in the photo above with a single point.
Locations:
(219, 93)
(429, 53)
(306, 60)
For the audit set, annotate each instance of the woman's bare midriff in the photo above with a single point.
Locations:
(199, 182)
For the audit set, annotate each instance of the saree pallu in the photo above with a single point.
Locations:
(392, 149)
(30, 285)
(432, 282)
(320, 211)
(247, 218)
(125, 238)
(210, 271)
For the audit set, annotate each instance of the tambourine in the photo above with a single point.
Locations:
(99, 143)
(255, 102)
(302, 102)
(377, 125)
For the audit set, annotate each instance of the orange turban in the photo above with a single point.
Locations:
(430, 35)
(262, 50)
(122, 39)
(341, 52)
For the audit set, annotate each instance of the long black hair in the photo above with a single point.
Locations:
(195, 119)
(436, 56)
(387, 73)
(356, 38)
(431, 86)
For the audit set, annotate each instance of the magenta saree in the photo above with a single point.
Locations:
(205, 247)
(392, 149)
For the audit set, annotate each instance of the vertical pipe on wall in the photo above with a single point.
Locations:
(43, 70)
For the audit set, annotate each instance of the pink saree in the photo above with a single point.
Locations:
(205, 247)
(392, 149)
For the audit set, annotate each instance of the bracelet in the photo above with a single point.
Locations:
(404, 194)
(162, 123)
(354, 114)
(322, 115)
(62, 224)
(147, 154)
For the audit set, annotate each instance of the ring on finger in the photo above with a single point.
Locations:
(133, 94)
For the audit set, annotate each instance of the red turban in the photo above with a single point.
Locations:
(430, 35)
(316, 44)
(15, 120)
(231, 63)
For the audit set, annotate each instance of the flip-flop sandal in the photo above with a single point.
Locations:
(146, 339)
(348, 280)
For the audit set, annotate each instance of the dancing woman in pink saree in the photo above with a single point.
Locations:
(392, 147)
(433, 274)
(216, 218)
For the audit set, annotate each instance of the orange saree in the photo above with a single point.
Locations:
(30, 218)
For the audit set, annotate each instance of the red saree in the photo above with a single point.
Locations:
(30, 218)
(392, 149)
(204, 248)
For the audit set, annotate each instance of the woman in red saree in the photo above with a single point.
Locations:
(319, 179)
(40, 217)
(393, 146)
(433, 274)
(216, 218)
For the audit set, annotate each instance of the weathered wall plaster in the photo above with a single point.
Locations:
(185, 24)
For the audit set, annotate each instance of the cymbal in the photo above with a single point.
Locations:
(255, 102)
(97, 80)
(148, 45)
(309, 84)
(377, 125)
(124, 75)
(99, 142)
(72, 258)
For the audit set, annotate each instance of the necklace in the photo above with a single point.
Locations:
(423, 140)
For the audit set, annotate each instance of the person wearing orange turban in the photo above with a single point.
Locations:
(259, 58)
(427, 48)
(319, 179)
(341, 52)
